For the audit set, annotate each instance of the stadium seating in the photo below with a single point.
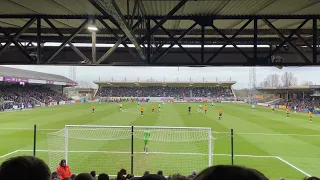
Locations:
(27, 94)
(160, 91)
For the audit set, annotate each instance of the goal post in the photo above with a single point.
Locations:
(110, 148)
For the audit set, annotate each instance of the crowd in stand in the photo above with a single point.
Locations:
(32, 168)
(23, 95)
(307, 102)
(165, 91)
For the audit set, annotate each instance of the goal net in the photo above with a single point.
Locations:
(110, 148)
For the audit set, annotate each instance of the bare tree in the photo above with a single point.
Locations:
(272, 80)
(288, 79)
(306, 83)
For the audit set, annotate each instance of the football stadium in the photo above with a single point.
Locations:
(159, 89)
(104, 131)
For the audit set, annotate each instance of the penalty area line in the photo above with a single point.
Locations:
(162, 153)
(293, 166)
(8, 154)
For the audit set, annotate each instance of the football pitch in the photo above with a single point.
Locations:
(265, 140)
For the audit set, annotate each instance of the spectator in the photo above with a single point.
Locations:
(103, 176)
(122, 174)
(146, 173)
(55, 175)
(311, 178)
(93, 174)
(83, 176)
(152, 177)
(193, 174)
(160, 173)
(63, 169)
(177, 177)
(227, 172)
(24, 168)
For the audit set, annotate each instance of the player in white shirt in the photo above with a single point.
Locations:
(295, 109)
(138, 103)
(200, 108)
(252, 107)
(120, 107)
(212, 104)
(159, 106)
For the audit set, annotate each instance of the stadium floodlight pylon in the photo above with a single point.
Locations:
(110, 148)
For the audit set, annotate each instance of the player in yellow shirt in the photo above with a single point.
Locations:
(220, 114)
(310, 116)
(288, 112)
(141, 110)
(153, 108)
(93, 108)
(205, 108)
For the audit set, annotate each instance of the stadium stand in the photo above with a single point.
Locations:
(21, 89)
(304, 98)
(189, 91)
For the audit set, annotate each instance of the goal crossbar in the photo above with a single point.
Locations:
(169, 144)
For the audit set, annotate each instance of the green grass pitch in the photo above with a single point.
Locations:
(265, 140)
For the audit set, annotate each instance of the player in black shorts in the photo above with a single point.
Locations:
(189, 109)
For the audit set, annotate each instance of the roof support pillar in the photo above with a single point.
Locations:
(314, 41)
(255, 42)
(39, 55)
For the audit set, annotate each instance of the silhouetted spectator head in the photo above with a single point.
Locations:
(122, 174)
(24, 168)
(83, 176)
(73, 176)
(311, 178)
(55, 175)
(194, 173)
(177, 177)
(160, 173)
(152, 177)
(103, 176)
(227, 172)
(93, 173)
(67, 178)
(146, 173)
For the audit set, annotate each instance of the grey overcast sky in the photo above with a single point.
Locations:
(239, 74)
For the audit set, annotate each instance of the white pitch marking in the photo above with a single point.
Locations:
(29, 129)
(167, 153)
(268, 134)
(9, 153)
(293, 166)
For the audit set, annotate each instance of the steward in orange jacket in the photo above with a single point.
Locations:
(63, 169)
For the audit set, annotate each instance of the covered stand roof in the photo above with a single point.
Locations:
(175, 84)
(26, 74)
(159, 24)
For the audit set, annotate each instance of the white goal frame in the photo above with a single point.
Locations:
(210, 147)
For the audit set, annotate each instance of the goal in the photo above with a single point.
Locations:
(110, 148)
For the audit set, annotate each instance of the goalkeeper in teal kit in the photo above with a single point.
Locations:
(146, 137)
